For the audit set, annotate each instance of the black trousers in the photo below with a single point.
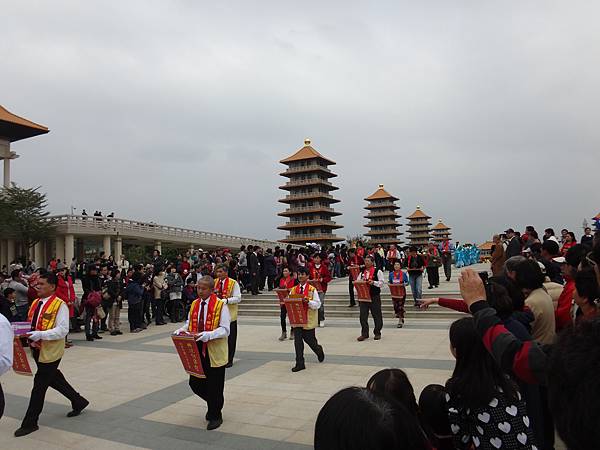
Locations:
(433, 276)
(447, 261)
(48, 375)
(300, 337)
(282, 317)
(159, 307)
(351, 290)
(145, 310)
(134, 315)
(232, 340)
(210, 389)
(254, 284)
(375, 308)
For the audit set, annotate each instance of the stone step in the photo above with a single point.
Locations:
(354, 313)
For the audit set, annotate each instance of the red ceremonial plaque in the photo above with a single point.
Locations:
(20, 362)
(297, 312)
(363, 291)
(282, 295)
(316, 284)
(397, 290)
(354, 271)
(188, 353)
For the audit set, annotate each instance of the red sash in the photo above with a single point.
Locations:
(287, 283)
(222, 291)
(32, 309)
(369, 273)
(213, 316)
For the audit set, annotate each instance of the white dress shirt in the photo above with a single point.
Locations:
(61, 325)
(377, 283)
(6, 345)
(236, 294)
(220, 332)
(315, 303)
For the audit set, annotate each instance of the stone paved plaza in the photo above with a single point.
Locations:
(140, 397)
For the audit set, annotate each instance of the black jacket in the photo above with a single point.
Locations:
(253, 265)
(514, 248)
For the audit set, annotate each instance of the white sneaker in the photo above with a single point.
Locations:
(321, 324)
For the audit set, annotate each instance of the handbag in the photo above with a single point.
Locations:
(100, 312)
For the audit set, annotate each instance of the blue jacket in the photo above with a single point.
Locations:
(404, 278)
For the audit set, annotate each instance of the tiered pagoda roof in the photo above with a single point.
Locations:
(383, 219)
(440, 232)
(418, 228)
(309, 199)
(14, 128)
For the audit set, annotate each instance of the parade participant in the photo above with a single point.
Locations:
(285, 282)
(433, 266)
(397, 276)
(228, 290)
(307, 333)
(375, 279)
(353, 260)
(319, 272)
(49, 317)
(209, 321)
(6, 353)
(415, 267)
(392, 256)
(447, 249)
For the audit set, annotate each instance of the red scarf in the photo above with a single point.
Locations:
(369, 273)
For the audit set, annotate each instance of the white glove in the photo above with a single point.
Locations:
(205, 336)
(35, 336)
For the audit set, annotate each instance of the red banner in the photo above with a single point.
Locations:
(363, 291)
(297, 311)
(282, 295)
(354, 271)
(20, 361)
(397, 290)
(316, 284)
(188, 353)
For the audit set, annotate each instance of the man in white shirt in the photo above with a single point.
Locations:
(49, 317)
(375, 280)
(211, 338)
(6, 353)
(228, 289)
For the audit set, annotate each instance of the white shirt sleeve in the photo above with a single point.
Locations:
(60, 330)
(236, 295)
(315, 303)
(6, 345)
(224, 324)
(379, 283)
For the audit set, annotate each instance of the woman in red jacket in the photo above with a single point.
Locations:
(285, 282)
(65, 290)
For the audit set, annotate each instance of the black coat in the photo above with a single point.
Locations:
(253, 265)
(514, 248)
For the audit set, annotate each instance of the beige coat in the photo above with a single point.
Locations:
(159, 284)
(540, 304)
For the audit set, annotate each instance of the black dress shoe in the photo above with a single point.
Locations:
(95, 336)
(229, 365)
(298, 368)
(24, 431)
(321, 355)
(377, 337)
(76, 411)
(89, 338)
(214, 424)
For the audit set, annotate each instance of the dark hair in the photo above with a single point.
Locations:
(575, 254)
(587, 284)
(302, 270)
(434, 412)
(513, 291)
(15, 273)
(50, 278)
(573, 388)
(8, 291)
(529, 275)
(551, 246)
(223, 267)
(570, 233)
(136, 277)
(393, 383)
(358, 419)
(549, 231)
(412, 248)
(498, 298)
(114, 273)
(476, 375)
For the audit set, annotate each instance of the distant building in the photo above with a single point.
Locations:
(486, 250)
(383, 219)
(440, 232)
(418, 228)
(309, 199)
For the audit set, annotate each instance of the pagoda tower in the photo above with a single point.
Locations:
(383, 219)
(440, 232)
(309, 199)
(418, 228)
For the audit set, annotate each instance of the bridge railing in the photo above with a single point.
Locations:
(104, 225)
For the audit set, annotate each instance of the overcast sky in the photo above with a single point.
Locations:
(485, 114)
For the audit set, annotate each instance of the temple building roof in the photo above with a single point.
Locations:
(14, 128)
(306, 152)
